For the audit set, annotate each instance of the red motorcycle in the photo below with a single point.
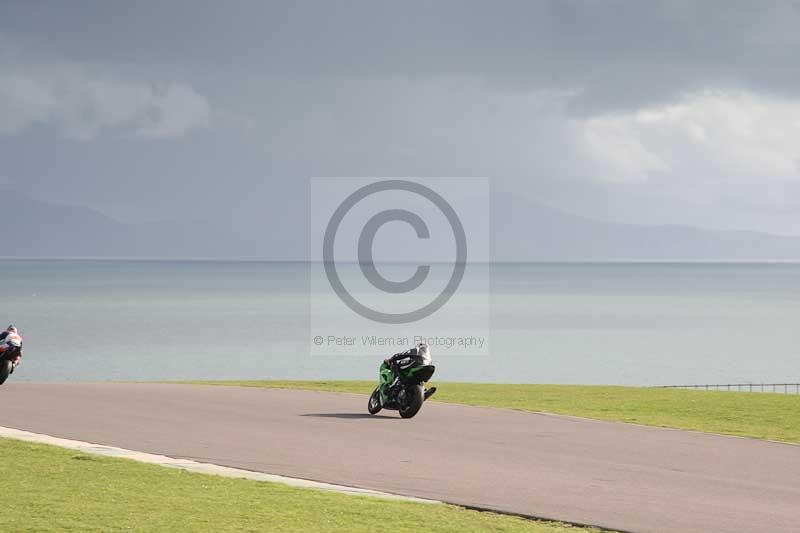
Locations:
(10, 352)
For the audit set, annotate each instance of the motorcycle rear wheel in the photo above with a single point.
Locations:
(415, 396)
(5, 369)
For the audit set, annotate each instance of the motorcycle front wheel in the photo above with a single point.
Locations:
(374, 404)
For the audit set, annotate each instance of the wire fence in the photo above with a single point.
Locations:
(783, 388)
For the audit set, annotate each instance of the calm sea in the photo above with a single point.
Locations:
(642, 324)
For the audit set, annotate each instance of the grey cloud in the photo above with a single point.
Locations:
(545, 98)
(82, 103)
(596, 48)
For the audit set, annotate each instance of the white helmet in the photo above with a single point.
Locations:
(424, 351)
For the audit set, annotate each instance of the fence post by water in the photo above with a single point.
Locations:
(788, 388)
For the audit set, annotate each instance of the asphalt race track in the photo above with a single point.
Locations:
(615, 475)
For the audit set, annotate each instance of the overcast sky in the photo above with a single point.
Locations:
(642, 112)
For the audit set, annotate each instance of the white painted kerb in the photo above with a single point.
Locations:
(194, 466)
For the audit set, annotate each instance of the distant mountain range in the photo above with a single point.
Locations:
(521, 231)
(51, 230)
(554, 235)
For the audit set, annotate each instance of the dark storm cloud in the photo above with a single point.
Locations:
(617, 54)
(644, 112)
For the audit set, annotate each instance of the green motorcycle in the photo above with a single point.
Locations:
(407, 395)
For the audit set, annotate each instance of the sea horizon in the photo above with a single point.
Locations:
(594, 323)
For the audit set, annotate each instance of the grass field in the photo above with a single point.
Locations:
(47, 489)
(764, 416)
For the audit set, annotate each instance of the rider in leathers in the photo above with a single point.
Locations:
(420, 350)
(11, 346)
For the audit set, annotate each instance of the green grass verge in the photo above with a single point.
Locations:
(764, 416)
(47, 489)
